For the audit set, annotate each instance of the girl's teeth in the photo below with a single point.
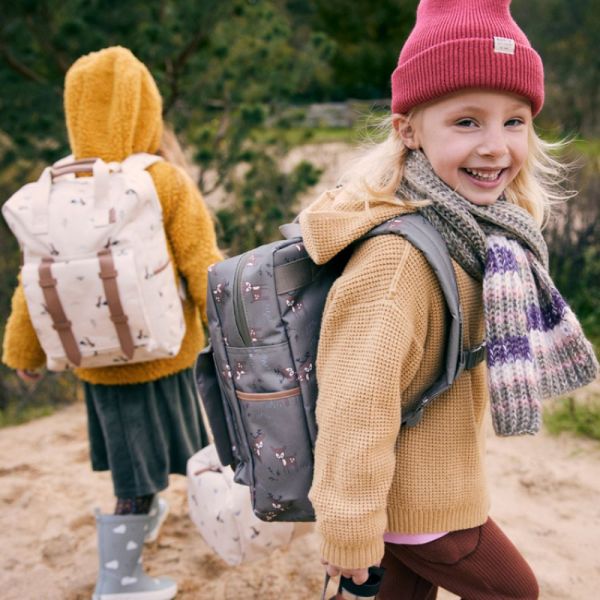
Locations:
(487, 176)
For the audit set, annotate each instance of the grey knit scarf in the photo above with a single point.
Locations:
(535, 346)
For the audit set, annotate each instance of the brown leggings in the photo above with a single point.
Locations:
(476, 564)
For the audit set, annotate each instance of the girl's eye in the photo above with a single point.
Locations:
(514, 122)
(466, 123)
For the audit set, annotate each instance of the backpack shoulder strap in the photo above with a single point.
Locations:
(140, 160)
(136, 165)
(291, 230)
(68, 165)
(421, 234)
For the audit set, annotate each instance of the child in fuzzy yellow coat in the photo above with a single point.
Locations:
(143, 418)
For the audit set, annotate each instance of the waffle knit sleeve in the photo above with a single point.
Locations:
(190, 230)
(370, 347)
(21, 348)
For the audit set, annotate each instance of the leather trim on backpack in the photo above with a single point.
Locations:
(55, 309)
(84, 165)
(108, 274)
(253, 397)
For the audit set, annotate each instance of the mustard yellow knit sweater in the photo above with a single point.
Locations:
(381, 345)
(113, 109)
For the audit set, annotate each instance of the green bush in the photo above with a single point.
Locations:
(578, 417)
(573, 237)
(21, 402)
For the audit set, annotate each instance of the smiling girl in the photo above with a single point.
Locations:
(475, 140)
(463, 152)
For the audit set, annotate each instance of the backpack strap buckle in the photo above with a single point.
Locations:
(473, 356)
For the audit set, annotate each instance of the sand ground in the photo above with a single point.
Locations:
(545, 493)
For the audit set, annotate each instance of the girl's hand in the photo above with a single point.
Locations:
(29, 376)
(359, 576)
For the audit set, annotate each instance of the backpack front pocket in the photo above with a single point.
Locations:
(282, 456)
(87, 311)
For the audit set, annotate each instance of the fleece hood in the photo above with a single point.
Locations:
(338, 218)
(112, 106)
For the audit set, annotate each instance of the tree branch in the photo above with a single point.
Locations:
(213, 188)
(43, 39)
(213, 12)
(174, 68)
(19, 67)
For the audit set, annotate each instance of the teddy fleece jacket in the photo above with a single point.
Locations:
(381, 345)
(113, 109)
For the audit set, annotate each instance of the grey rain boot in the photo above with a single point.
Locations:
(121, 577)
(159, 510)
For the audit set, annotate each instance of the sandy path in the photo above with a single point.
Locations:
(545, 493)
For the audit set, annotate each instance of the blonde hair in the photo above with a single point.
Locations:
(170, 149)
(376, 173)
(538, 186)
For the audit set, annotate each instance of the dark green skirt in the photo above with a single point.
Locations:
(143, 432)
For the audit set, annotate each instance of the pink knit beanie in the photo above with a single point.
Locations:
(458, 44)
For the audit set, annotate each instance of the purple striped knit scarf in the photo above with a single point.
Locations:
(536, 348)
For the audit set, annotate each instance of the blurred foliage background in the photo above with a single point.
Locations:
(238, 76)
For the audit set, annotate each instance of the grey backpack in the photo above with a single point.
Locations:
(257, 379)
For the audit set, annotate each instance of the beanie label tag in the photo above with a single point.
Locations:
(504, 45)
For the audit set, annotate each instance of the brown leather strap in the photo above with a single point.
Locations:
(282, 395)
(84, 165)
(108, 274)
(208, 469)
(54, 306)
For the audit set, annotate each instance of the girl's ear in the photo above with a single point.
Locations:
(405, 130)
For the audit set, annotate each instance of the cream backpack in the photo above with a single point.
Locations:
(97, 277)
